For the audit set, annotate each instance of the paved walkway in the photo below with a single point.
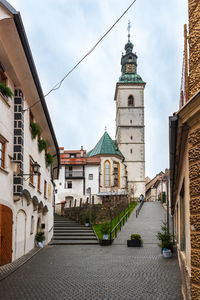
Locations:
(146, 224)
(95, 272)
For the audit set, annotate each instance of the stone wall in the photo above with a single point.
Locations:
(194, 175)
(194, 47)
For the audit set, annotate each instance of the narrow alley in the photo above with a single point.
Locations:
(95, 272)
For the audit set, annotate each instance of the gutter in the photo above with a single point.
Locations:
(173, 125)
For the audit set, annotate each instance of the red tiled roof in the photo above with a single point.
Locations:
(65, 158)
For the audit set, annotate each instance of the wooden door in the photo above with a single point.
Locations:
(5, 235)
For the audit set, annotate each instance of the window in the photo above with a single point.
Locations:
(107, 174)
(130, 101)
(131, 137)
(69, 184)
(31, 172)
(92, 200)
(90, 176)
(45, 189)
(130, 121)
(2, 152)
(182, 219)
(2, 77)
(31, 116)
(116, 173)
(38, 183)
(70, 171)
(32, 225)
(72, 155)
(131, 151)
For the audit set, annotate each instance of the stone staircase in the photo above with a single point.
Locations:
(68, 232)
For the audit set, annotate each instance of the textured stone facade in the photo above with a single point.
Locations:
(194, 47)
(194, 175)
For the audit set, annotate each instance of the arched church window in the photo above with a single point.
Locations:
(130, 100)
(107, 174)
(116, 173)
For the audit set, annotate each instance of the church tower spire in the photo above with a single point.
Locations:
(129, 96)
(129, 62)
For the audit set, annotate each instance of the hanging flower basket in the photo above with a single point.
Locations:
(35, 129)
(5, 90)
(42, 145)
(49, 159)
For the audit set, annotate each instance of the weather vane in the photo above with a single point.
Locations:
(129, 29)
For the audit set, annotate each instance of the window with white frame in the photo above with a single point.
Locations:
(90, 176)
(69, 184)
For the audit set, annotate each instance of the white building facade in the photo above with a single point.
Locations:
(26, 199)
(100, 171)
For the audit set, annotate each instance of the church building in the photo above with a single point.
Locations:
(118, 165)
(129, 97)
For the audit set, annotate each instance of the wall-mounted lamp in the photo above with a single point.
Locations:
(36, 168)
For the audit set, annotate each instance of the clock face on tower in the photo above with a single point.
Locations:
(130, 68)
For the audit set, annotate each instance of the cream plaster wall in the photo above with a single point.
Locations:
(94, 184)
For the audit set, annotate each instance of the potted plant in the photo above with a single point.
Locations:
(42, 145)
(40, 238)
(135, 241)
(87, 221)
(166, 241)
(49, 159)
(5, 90)
(105, 230)
(35, 129)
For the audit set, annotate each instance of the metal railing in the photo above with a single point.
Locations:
(139, 208)
(74, 174)
(122, 221)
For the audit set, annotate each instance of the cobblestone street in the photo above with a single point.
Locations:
(95, 272)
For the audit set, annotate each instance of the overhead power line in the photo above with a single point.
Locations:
(58, 85)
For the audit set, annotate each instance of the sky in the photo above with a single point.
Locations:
(61, 32)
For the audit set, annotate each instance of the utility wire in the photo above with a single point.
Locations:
(58, 85)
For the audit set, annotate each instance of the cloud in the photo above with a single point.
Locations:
(61, 32)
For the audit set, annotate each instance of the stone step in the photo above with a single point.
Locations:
(60, 221)
(65, 222)
(74, 234)
(69, 224)
(72, 228)
(74, 242)
(80, 238)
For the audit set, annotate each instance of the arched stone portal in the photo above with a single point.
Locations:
(6, 217)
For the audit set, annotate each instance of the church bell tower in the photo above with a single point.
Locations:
(129, 97)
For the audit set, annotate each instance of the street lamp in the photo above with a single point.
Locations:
(89, 192)
(35, 168)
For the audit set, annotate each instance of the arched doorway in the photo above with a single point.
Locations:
(6, 217)
(20, 234)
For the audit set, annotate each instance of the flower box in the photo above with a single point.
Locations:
(134, 243)
(105, 242)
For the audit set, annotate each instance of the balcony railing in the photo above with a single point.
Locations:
(74, 174)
